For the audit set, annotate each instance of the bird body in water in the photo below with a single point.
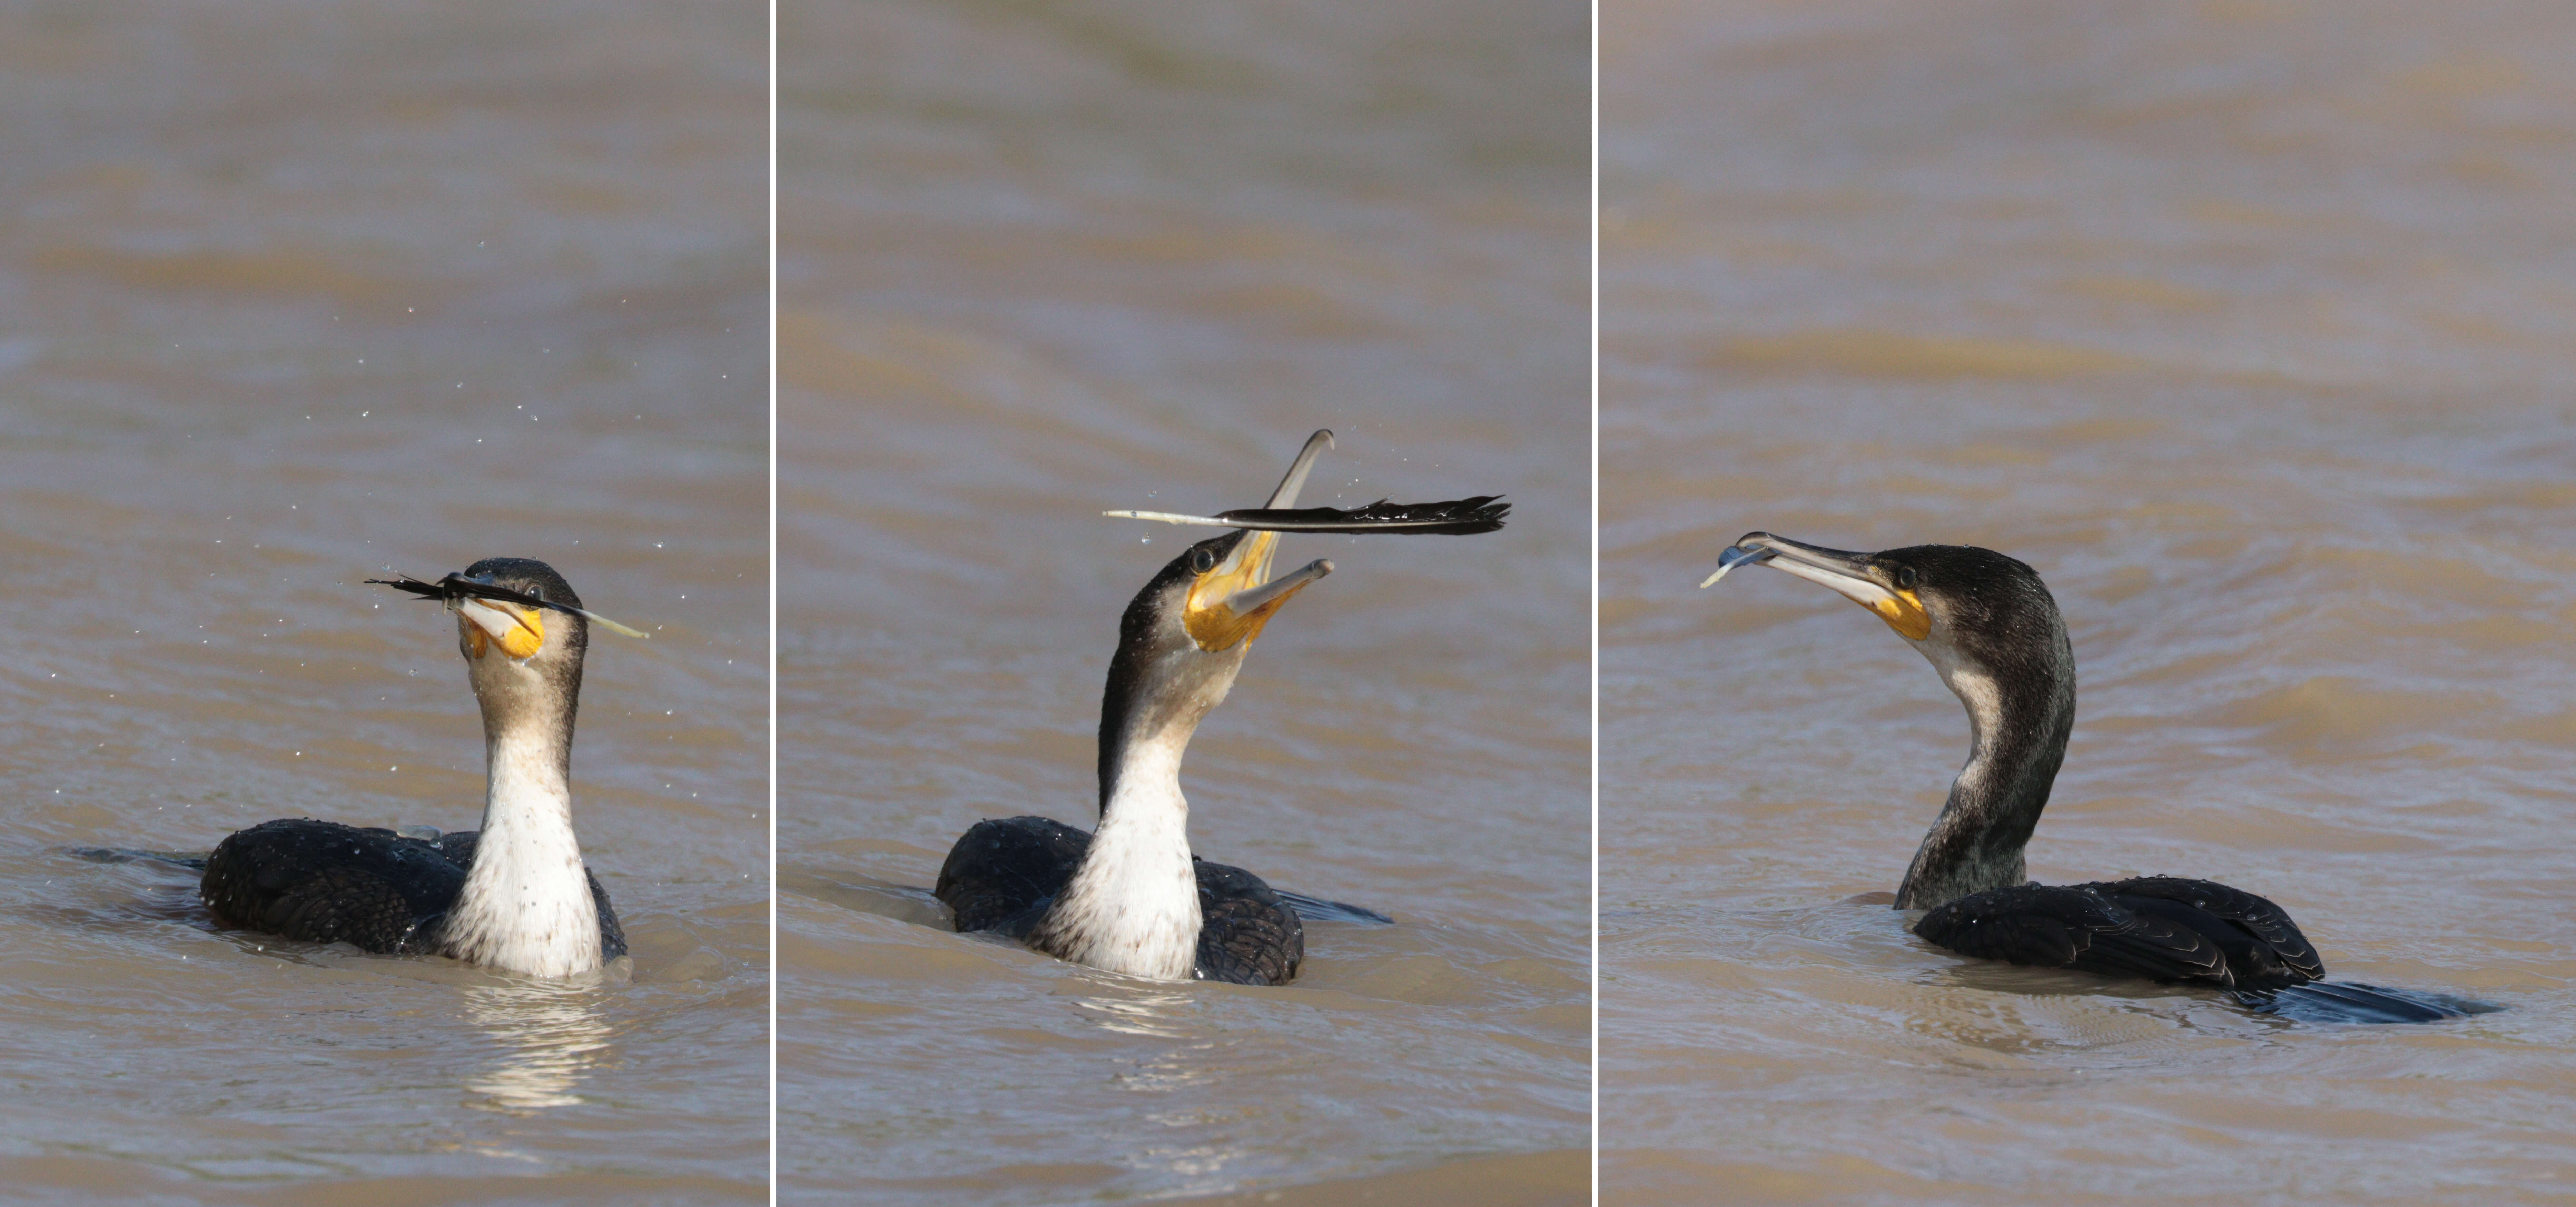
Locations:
(515, 895)
(1130, 897)
(1994, 634)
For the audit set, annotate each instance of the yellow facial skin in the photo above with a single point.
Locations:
(1904, 613)
(523, 640)
(1212, 622)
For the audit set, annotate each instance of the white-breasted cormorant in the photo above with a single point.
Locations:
(1130, 897)
(514, 895)
(1990, 628)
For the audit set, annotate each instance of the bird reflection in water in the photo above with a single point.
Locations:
(550, 1036)
(1205, 1147)
(1152, 1014)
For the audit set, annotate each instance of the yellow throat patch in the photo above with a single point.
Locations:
(1217, 627)
(1904, 613)
(522, 641)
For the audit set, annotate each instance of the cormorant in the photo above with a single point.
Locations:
(1990, 628)
(515, 895)
(1131, 897)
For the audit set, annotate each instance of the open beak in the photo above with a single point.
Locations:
(1232, 600)
(1854, 576)
(519, 631)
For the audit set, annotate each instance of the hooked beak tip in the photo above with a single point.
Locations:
(1735, 555)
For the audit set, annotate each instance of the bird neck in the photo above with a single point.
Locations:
(2020, 714)
(1133, 903)
(526, 905)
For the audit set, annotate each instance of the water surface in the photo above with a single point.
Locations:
(2248, 326)
(293, 296)
(1039, 261)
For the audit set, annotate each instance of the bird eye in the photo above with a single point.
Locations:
(1905, 578)
(1202, 561)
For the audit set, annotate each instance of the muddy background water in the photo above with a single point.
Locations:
(1041, 260)
(293, 295)
(2249, 326)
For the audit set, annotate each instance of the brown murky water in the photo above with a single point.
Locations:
(2248, 325)
(292, 295)
(1038, 261)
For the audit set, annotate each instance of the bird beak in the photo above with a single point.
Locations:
(1230, 603)
(519, 631)
(1851, 575)
(1284, 497)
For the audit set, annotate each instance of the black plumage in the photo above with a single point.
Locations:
(1004, 873)
(382, 891)
(1116, 898)
(2160, 927)
(2175, 931)
(1992, 630)
(323, 882)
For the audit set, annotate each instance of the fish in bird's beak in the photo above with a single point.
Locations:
(1855, 576)
(518, 630)
(1234, 595)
